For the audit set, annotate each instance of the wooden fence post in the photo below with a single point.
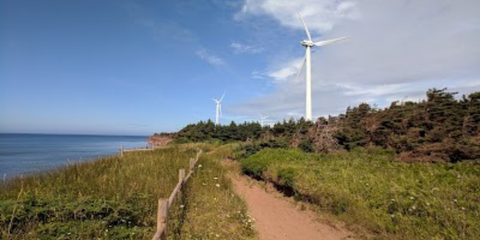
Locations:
(162, 220)
(181, 175)
(192, 164)
(121, 151)
(181, 179)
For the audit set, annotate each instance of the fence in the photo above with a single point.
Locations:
(164, 204)
(147, 148)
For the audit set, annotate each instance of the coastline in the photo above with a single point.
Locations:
(26, 154)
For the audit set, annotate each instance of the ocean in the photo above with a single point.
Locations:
(33, 153)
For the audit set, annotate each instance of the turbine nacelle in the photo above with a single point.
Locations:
(262, 119)
(218, 101)
(307, 43)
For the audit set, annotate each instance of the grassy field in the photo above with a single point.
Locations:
(386, 199)
(214, 210)
(116, 198)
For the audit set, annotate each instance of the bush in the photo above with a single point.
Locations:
(254, 147)
(306, 146)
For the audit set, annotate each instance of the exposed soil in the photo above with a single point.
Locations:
(276, 217)
(159, 141)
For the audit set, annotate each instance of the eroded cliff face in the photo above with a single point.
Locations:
(160, 141)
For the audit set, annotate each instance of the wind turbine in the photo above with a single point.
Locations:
(219, 108)
(308, 44)
(262, 118)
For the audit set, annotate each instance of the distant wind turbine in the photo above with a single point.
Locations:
(219, 108)
(308, 44)
(262, 118)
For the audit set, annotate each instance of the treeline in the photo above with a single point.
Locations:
(247, 131)
(440, 128)
(207, 131)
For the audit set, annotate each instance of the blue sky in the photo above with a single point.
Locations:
(138, 67)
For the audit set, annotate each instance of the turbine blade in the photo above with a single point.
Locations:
(222, 97)
(260, 115)
(220, 109)
(300, 70)
(323, 43)
(306, 29)
(215, 100)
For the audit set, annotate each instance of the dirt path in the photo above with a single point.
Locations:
(277, 218)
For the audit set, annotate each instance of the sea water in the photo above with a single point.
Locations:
(31, 153)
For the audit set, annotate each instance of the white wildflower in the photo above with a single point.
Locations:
(218, 185)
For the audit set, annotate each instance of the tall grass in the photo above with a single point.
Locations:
(214, 211)
(366, 188)
(111, 198)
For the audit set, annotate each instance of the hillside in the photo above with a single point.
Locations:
(438, 129)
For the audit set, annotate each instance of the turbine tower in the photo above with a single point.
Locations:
(219, 108)
(308, 44)
(262, 118)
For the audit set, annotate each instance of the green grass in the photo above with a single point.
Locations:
(214, 211)
(386, 199)
(111, 198)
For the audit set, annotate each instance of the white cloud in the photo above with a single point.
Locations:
(398, 49)
(321, 15)
(288, 70)
(239, 48)
(210, 58)
(374, 91)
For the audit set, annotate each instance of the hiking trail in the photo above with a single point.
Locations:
(276, 217)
